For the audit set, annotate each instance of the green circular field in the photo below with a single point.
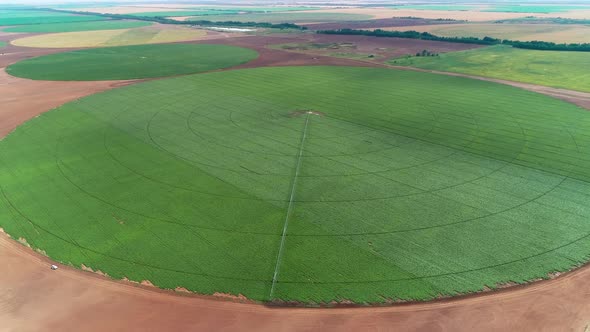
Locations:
(308, 184)
(131, 62)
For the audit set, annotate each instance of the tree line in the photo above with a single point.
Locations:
(547, 20)
(532, 45)
(165, 20)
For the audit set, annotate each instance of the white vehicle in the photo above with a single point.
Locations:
(54, 267)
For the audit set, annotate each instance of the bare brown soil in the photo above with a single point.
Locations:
(383, 48)
(387, 48)
(23, 99)
(270, 57)
(35, 298)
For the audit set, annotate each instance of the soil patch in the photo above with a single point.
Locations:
(365, 49)
(100, 304)
(272, 57)
(383, 48)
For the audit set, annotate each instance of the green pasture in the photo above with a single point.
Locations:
(551, 68)
(131, 62)
(20, 17)
(399, 185)
(78, 26)
(292, 17)
(2, 44)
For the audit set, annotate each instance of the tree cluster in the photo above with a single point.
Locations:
(426, 53)
(532, 45)
(412, 35)
(544, 20)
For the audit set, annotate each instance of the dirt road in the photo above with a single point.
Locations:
(579, 98)
(35, 298)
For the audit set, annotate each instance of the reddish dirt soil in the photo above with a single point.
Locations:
(389, 48)
(271, 57)
(35, 298)
(23, 99)
(384, 48)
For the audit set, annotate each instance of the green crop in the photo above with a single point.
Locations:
(395, 184)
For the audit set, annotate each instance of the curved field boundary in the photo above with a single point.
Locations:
(551, 305)
(131, 62)
(488, 173)
(106, 38)
(98, 303)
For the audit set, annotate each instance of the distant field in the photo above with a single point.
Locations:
(131, 62)
(499, 8)
(266, 9)
(123, 9)
(388, 13)
(296, 17)
(558, 33)
(187, 10)
(186, 13)
(551, 68)
(20, 17)
(78, 6)
(2, 44)
(535, 8)
(438, 7)
(78, 26)
(146, 35)
(214, 11)
(394, 185)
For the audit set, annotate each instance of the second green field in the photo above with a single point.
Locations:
(131, 62)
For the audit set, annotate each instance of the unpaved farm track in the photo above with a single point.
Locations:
(35, 298)
(579, 98)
